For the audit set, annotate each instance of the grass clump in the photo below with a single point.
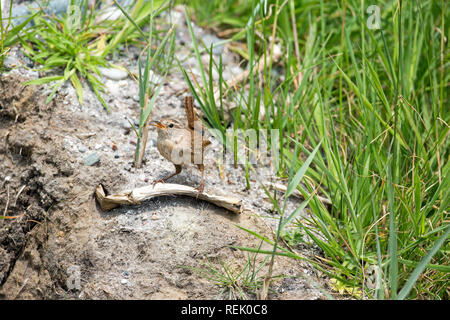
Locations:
(78, 42)
(9, 34)
(71, 43)
(235, 283)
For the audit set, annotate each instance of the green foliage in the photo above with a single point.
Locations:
(375, 101)
(235, 282)
(79, 42)
(292, 237)
(9, 35)
(72, 43)
(161, 57)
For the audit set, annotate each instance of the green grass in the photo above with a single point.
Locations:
(162, 57)
(77, 44)
(9, 34)
(235, 282)
(375, 103)
(67, 43)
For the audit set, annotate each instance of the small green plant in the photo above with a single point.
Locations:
(204, 93)
(78, 43)
(211, 96)
(235, 282)
(292, 237)
(9, 35)
(70, 42)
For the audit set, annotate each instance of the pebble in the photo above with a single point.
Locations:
(8, 178)
(91, 159)
(181, 56)
(113, 73)
(110, 13)
(82, 149)
(10, 62)
(124, 281)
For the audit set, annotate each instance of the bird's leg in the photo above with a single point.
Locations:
(202, 183)
(178, 169)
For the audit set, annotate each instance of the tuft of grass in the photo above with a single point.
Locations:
(9, 34)
(70, 42)
(235, 283)
(78, 43)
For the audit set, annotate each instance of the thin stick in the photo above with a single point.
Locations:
(18, 194)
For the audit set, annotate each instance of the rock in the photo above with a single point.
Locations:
(111, 13)
(91, 159)
(113, 73)
(10, 62)
(82, 149)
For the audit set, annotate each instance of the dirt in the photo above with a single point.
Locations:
(59, 244)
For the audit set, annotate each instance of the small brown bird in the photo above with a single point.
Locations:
(181, 144)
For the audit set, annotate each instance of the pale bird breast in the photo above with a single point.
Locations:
(173, 144)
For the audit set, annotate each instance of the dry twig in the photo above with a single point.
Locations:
(138, 195)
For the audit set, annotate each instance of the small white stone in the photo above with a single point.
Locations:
(124, 281)
(113, 73)
(111, 14)
(82, 149)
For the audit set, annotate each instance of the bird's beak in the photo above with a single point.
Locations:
(158, 125)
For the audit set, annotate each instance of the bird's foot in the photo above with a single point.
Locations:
(200, 189)
(158, 181)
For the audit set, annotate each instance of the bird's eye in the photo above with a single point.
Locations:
(171, 125)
